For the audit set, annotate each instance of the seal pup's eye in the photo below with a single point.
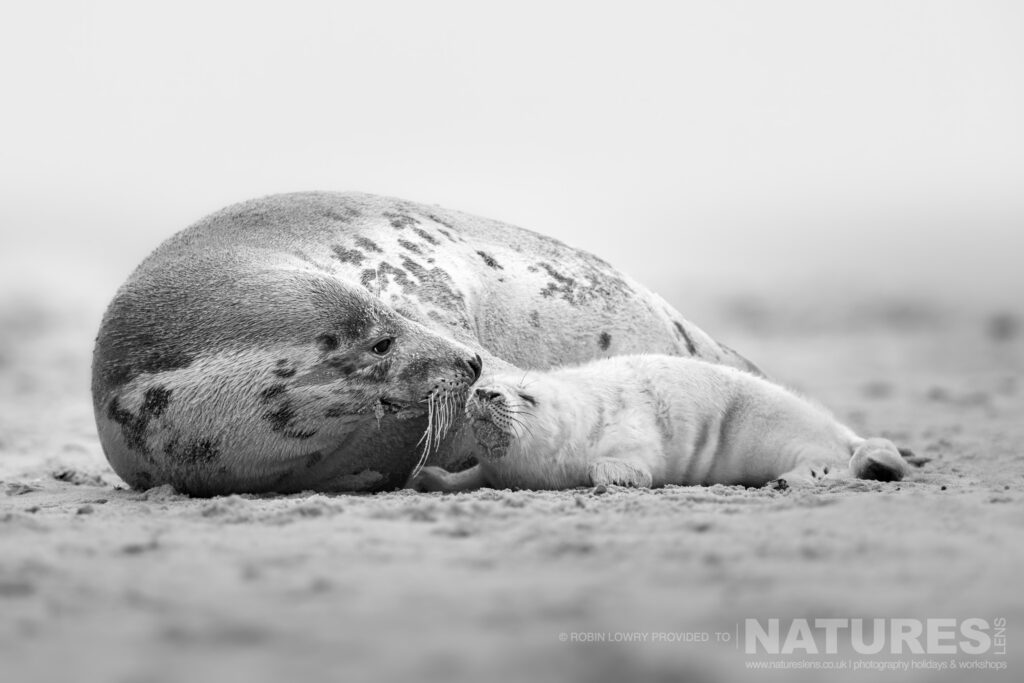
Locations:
(529, 399)
(382, 347)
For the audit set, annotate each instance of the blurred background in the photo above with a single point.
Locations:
(740, 158)
(786, 173)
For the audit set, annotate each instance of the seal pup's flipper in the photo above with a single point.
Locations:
(804, 475)
(609, 471)
(878, 459)
(435, 479)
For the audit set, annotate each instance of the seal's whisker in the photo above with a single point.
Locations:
(523, 384)
(428, 435)
(522, 424)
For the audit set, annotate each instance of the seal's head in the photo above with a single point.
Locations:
(282, 380)
(499, 410)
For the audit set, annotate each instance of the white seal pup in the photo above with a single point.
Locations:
(306, 341)
(652, 420)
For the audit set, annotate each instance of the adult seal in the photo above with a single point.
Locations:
(307, 341)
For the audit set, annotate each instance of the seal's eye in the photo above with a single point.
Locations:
(383, 346)
(529, 399)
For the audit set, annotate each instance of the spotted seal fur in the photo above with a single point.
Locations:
(299, 341)
(651, 420)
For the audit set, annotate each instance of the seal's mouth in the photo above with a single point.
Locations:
(500, 416)
(403, 410)
(444, 405)
(390, 407)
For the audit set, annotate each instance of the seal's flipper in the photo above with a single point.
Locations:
(431, 479)
(878, 459)
(814, 473)
(610, 471)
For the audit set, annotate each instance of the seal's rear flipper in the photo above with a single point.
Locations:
(878, 459)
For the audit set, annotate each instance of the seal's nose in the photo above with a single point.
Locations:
(475, 364)
(487, 394)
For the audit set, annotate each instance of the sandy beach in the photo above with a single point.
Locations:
(102, 583)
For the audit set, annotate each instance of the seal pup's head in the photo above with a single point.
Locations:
(500, 411)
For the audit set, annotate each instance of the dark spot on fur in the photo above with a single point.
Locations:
(299, 433)
(284, 372)
(280, 422)
(203, 451)
(489, 260)
(355, 323)
(133, 427)
(334, 411)
(280, 417)
(400, 221)
(444, 232)
(368, 245)
(416, 369)
(426, 236)
(440, 221)
(124, 354)
(313, 459)
(562, 283)
(378, 372)
(155, 401)
(327, 342)
(384, 274)
(580, 278)
(681, 331)
(428, 285)
(368, 279)
(346, 363)
(353, 256)
(273, 391)
(535, 318)
(342, 214)
(411, 246)
(604, 341)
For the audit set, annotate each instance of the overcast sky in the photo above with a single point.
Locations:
(697, 145)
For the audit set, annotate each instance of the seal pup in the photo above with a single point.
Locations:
(307, 341)
(651, 420)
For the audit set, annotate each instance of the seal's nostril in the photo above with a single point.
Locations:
(487, 394)
(475, 364)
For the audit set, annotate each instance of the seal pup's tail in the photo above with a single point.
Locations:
(877, 459)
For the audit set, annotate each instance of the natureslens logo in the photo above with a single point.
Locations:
(893, 636)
